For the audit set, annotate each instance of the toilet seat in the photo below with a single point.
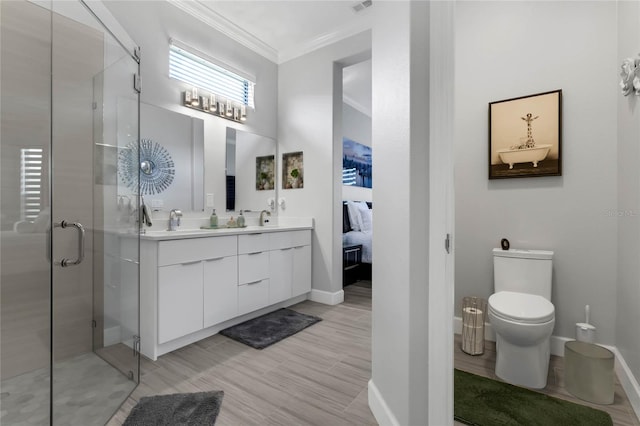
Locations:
(521, 307)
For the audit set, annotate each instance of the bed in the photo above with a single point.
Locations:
(357, 229)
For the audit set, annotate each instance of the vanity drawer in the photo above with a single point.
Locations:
(253, 296)
(192, 249)
(253, 267)
(286, 239)
(253, 243)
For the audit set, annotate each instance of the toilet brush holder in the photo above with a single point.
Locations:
(585, 332)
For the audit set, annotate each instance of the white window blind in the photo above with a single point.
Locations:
(205, 75)
(30, 183)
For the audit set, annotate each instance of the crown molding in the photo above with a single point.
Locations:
(200, 11)
(323, 40)
(356, 105)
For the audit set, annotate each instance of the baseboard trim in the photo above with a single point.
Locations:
(379, 407)
(627, 380)
(327, 297)
(626, 377)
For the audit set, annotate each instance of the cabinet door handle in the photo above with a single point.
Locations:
(214, 259)
(191, 263)
(287, 248)
(255, 252)
(254, 282)
(299, 247)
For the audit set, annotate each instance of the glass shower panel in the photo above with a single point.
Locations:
(25, 273)
(68, 347)
(95, 296)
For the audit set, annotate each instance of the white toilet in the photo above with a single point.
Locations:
(522, 315)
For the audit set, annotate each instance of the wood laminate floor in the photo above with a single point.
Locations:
(316, 377)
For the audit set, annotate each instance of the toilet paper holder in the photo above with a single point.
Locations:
(474, 315)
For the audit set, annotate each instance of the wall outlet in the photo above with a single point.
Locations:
(210, 200)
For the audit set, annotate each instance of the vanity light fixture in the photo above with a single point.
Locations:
(212, 104)
(195, 100)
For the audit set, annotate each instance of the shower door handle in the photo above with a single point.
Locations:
(68, 262)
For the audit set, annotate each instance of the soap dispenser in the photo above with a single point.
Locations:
(240, 220)
(213, 220)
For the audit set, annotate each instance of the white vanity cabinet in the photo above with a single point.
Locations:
(253, 272)
(193, 287)
(197, 281)
(289, 264)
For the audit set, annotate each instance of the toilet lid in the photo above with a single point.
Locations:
(521, 307)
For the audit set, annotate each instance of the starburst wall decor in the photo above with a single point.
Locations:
(153, 165)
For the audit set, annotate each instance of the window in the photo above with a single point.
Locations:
(205, 75)
(30, 183)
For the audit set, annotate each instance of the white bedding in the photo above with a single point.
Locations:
(360, 237)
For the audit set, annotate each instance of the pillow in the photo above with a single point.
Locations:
(367, 220)
(354, 216)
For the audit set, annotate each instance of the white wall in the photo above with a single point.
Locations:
(357, 127)
(306, 109)
(398, 390)
(151, 24)
(510, 49)
(627, 339)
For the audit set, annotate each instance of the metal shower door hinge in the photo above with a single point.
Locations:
(447, 243)
(136, 345)
(136, 82)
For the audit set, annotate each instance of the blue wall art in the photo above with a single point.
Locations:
(356, 164)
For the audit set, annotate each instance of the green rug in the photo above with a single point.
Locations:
(485, 402)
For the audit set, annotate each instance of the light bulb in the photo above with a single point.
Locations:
(195, 101)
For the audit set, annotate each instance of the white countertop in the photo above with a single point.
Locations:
(183, 233)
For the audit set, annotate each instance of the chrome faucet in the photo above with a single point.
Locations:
(262, 219)
(174, 219)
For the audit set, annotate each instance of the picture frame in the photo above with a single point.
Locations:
(265, 172)
(525, 136)
(292, 170)
(356, 164)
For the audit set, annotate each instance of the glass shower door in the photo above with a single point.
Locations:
(95, 242)
(69, 241)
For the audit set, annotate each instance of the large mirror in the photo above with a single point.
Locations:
(250, 171)
(170, 160)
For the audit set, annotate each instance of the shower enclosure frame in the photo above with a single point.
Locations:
(74, 259)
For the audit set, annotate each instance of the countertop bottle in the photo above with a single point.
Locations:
(213, 220)
(240, 220)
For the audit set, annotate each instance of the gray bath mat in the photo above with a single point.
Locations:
(270, 328)
(180, 409)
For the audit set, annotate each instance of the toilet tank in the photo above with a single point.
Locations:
(523, 271)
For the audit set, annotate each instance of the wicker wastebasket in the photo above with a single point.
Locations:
(473, 318)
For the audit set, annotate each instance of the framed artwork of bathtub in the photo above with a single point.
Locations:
(525, 136)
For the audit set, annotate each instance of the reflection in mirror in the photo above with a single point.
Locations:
(171, 161)
(250, 171)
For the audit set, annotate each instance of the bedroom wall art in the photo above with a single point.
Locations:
(525, 136)
(356, 164)
(292, 170)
